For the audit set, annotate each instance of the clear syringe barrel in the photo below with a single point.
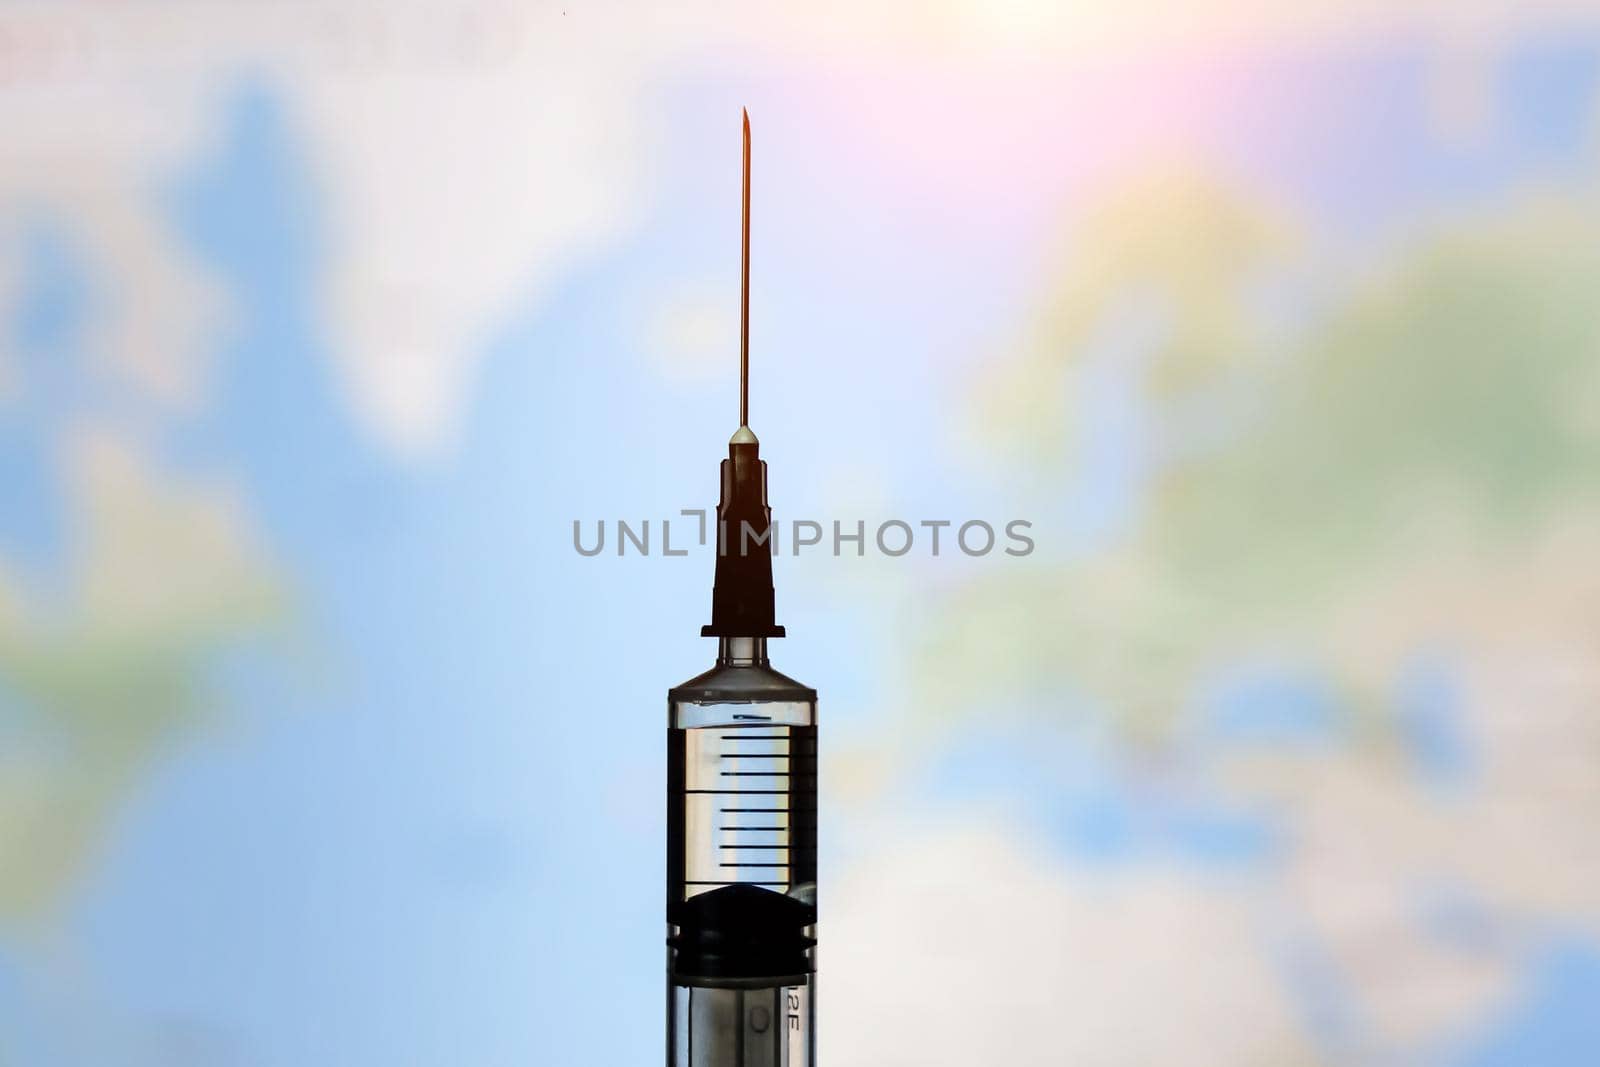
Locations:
(741, 865)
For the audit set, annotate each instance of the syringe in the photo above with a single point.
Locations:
(742, 797)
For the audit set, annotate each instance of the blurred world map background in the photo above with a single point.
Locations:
(321, 324)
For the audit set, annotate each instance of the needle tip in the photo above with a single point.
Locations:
(744, 284)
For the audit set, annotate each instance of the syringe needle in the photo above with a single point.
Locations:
(744, 285)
